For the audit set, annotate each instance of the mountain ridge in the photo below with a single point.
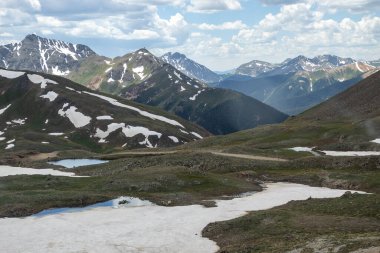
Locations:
(40, 54)
(190, 67)
(71, 116)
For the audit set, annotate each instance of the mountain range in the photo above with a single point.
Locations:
(142, 77)
(39, 54)
(297, 84)
(348, 121)
(44, 113)
(181, 86)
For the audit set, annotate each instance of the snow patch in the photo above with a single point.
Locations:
(56, 134)
(178, 75)
(128, 131)
(105, 117)
(17, 121)
(196, 95)
(10, 146)
(55, 71)
(12, 171)
(139, 71)
(141, 112)
(51, 95)
(351, 153)
(10, 74)
(37, 79)
(174, 139)
(124, 70)
(358, 67)
(4, 109)
(77, 118)
(145, 227)
(301, 149)
(196, 135)
(375, 141)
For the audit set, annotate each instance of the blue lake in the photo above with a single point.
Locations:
(114, 203)
(73, 163)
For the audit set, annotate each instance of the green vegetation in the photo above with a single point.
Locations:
(342, 225)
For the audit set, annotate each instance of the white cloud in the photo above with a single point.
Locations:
(6, 34)
(35, 4)
(49, 21)
(291, 18)
(14, 17)
(235, 25)
(352, 5)
(142, 35)
(211, 6)
(333, 5)
(280, 2)
(174, 30)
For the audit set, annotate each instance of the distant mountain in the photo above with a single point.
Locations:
(190, 67)
(348, 121)
(375, 63)
(292, 92)
(357, 104)
(145, 78)
(300, 63)
(40, 112)
(43, 55)
(226, 72)
(255, 68)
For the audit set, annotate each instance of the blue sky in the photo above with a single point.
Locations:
(221, 34)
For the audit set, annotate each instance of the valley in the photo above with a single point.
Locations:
(140, 153)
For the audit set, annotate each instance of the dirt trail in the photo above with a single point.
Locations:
(243, 156)
(251, 157)
(43, 156)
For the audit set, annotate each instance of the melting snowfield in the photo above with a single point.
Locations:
(12, 171)
(141, 228)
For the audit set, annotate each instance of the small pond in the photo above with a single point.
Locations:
(73, 163)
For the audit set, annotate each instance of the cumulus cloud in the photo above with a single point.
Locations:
(235, 25)
(354, 6)
(332, 5)
(211, 6)
(280, 2)
(296, 27)
(7, 17)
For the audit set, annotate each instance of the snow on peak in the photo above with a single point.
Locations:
(139, 71)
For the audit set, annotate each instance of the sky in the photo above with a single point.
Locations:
(221, 34)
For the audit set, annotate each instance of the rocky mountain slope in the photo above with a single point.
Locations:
(190, 67)
(145, 78)
(360, 102)
(39, 54)
(45, 113)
